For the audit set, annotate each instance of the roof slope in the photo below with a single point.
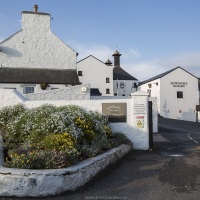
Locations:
(120, 74)
(163, 74)
(30, 75)
(89, 57)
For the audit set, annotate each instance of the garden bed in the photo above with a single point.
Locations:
(50, 137)
(35, 183)
(48, 150)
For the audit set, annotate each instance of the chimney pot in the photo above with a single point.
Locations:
(35, 8)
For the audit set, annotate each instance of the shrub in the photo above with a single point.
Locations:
(8, 114)
(54, 137)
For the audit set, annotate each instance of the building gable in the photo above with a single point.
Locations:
(35, 46)
(164, 74)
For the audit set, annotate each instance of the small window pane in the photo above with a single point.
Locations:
(107, 80)
(28, 89)
(107, 91)
(80, 73)
(179, 94)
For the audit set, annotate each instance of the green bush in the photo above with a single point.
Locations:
(53, 137)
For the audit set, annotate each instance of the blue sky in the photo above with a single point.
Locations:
(152, 35)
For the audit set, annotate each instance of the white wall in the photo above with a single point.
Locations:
(37, 88)
(10, 97)
(35, 46)
(179, 108)
(155, 90)
(126, 90)
(95, 73)
(68, 93)
(169, 106)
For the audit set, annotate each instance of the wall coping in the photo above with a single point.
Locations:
(35, 183)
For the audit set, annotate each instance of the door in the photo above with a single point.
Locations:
(150, 124)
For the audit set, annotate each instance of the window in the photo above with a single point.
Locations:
(107, 91)
(80, 73)
(107, 80)
(28, 89)
(179, 94)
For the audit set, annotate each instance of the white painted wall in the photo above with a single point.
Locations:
(126, 90)
(35, 46)
(95, 73)
(10, 98)
(169, 106)
(154, 89)
(37, 88)
(68, 93)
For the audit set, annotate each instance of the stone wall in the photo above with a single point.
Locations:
(68, 93)
(34, 183)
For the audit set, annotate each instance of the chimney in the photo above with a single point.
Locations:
(108, 62)
(35, 8)
(116, 56)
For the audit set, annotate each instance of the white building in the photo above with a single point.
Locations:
(97, 74)
(105, 78)
(123, 83)
(177, 93)
(34, 59)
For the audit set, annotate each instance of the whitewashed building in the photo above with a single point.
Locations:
(34, 59)
(104, 79)
(177, 93)
(97, 74)
(123, 83)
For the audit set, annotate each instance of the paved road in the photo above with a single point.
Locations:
(171, 171)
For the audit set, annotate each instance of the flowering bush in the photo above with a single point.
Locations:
(53, 137)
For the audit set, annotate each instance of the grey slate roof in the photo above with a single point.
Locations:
(38, 75)
(163, 74)
(120, 74)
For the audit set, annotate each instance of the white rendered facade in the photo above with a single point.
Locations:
(35, 46)
(124, 87)
(97, 74)
(177, 94)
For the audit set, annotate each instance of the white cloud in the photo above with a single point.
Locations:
(135, 63)
(101, 52)
(145, 69)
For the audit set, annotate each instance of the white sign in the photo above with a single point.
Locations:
(139, 108)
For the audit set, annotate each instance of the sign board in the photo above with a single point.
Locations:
(139, 108)
(116, 112)
(179, 84)
(140, 121)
